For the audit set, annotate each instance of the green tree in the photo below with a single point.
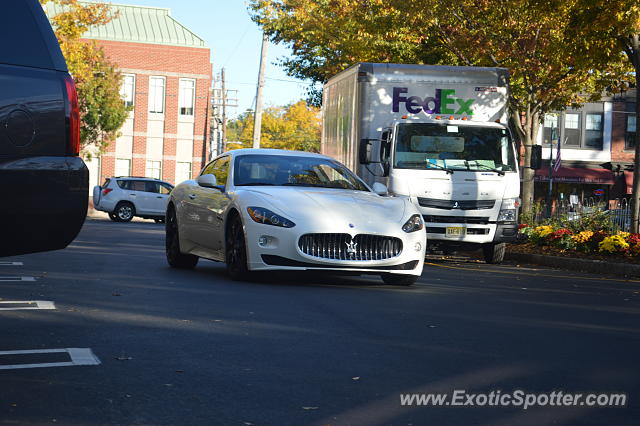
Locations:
(293, 127)
(98, 82)
(542, 43)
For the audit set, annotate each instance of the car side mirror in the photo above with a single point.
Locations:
(380, 188)
(207, 181)
(364, 153)
(536, 157)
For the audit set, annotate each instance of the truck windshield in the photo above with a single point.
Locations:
(453, 147)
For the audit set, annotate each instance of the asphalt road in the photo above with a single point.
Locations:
(192, 347)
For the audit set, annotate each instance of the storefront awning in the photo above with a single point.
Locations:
(576, 175)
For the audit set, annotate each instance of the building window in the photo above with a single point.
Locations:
(154, 169)
(572, 129)
(128, 89)
(123, 167)
(183, 171)
(550, 130)
(630, 133)
(593, 131)
(186, 97)
(156, 95)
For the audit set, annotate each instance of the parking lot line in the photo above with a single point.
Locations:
(14, 279)
(32, 305)
(11, 264)
(79, 356)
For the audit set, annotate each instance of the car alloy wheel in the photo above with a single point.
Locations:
(175, 258)
(236, 251)
(124, 212)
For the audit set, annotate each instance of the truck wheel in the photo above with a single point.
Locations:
(494, 253)
(399, 279)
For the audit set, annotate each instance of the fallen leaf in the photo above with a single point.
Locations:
(355, 378)
(309, 408)
(123, 358)
(432, 326)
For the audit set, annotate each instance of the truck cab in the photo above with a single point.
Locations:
(462, 176)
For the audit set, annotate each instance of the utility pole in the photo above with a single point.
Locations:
(257, 119)
(224, 111)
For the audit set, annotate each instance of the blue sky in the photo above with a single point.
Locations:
(235, 42)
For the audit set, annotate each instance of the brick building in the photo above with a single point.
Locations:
(167, 80)
(596, 149)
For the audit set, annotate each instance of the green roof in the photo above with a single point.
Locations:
(138, 24)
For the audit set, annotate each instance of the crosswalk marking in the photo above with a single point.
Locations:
(16, 279)
(11, 264)
(33, 305)
(79, 356)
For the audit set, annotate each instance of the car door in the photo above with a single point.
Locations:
(136, 192)
(210, 205)
(156, 197)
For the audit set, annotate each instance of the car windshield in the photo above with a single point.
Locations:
(453, 147)
(289, 170)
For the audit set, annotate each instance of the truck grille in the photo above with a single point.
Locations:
(435, 203)
(343, 247)
(476, 220)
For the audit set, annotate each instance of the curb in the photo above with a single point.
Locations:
(579, 265)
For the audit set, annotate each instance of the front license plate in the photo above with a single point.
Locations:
(455, 231)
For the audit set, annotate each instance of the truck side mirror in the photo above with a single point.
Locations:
(536, 157)
(364, 153)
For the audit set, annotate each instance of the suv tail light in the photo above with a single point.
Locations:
(106, 191)
(72, 109)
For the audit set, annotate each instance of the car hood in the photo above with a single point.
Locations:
(357, 207)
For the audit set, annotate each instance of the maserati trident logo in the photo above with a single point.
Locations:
(456, 205)
(351, 249)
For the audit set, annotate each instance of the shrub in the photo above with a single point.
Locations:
(613, 244)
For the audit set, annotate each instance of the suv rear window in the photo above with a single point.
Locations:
(17, 20)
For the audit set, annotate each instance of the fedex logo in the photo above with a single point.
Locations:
(445, 102)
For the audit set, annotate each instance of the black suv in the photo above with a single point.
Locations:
(44, 184)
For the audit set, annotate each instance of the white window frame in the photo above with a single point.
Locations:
(128, 90)
(153, 167)
(117, 170)
(178, 176)
(182, 97)
(156, 106)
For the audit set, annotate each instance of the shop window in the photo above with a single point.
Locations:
(572, 129)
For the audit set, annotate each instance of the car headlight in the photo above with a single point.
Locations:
(413, 224)
(267, 217)
(509, 210)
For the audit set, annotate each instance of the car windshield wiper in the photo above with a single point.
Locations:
(499, 172)
(422, 163)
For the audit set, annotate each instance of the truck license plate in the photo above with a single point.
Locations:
(455, 231)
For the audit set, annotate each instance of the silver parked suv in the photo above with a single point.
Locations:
(126, 197)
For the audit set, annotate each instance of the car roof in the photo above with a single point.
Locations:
(269, 151)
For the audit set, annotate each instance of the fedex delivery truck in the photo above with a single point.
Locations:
(436, 134)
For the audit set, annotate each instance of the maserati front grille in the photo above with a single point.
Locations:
(343, 247)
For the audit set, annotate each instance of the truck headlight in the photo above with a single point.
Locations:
(413, 224)
(509, 210)
(267, 217)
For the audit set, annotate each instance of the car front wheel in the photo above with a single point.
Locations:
(494, 253)
(236, 257)
(175, 257)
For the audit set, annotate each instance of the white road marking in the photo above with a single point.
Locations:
(79, 356)
(11, 264)
(13, 279)
(35, 304)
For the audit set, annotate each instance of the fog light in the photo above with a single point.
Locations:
(263, 240)
(418, 247)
